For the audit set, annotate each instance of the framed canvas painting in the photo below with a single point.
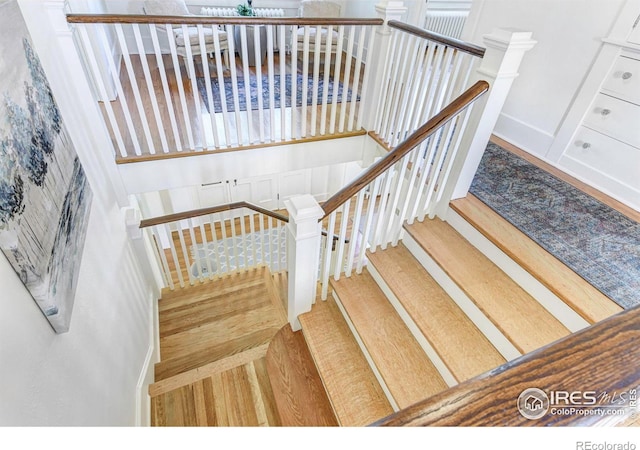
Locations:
(45, 198)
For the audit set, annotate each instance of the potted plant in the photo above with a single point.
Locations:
(246, 10)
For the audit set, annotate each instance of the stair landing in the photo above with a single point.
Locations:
(213, 342)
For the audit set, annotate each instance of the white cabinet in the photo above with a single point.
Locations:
(261, 191)
(602, 146)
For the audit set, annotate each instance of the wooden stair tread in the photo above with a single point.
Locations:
(354, 391)
(192, 360)
(217, 319)
(459, 343)
(297, 388)
(404, 366)
(576, 292)
(219, 286)
(518, 315)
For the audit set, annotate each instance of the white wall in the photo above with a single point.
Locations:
(90, 375)
(568, 33)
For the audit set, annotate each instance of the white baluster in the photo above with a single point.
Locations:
(327, 73)
(134, 86)
(305, 80)
(178, 75)
(336, 80)
(355, 231)
(270, 71)
(234, 83)
(339, 265)
(247, 80)
(258, 68)
(347, 78)
(356, 80)
(163, 258)
(165, 86)
(207, 83)
(149, 82)
(102, 90)
(368, 225)
(174, 255)
(328, 256)
(316, 75)
(222, 89)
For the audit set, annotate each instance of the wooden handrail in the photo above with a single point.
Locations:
(603, 358)
(216, 209)
(463, 46)
(422, 133)
(212, 210)
(215, 20)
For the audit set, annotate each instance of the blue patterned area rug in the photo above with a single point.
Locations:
(264, 92)
(597, 242)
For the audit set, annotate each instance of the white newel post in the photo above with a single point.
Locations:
(386, 10)
(143, 249)
(505, 49)
(303, 254)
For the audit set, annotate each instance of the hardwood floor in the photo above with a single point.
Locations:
(213, 342)
(152, 121)
(240, 397)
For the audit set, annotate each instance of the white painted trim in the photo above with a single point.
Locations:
(431, 353)
(484, 324)
(560, 310)
(147, 373)
(367, 355)
(600, 181)
(523, 135)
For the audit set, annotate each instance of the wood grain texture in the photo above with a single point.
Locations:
(581, 296)
(239, 396)
(463, 46)
(405, 368)
(209, 20)
(352, 388)
(217, 320)
(200, 371)
(297, 388)
(604, 357)
(513, 311)
(305, 140)
(462, 347)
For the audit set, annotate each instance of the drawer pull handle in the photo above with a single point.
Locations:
(626, 75)
(605, 112)
(586, 145)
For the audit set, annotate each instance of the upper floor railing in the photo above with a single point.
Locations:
(234, 82)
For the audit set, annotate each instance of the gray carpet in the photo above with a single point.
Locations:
(597, 242)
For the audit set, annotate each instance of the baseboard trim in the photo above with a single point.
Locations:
(147, 373)
(525, 136)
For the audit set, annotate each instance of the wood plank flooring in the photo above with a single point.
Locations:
(213, 343)
(195, 125)
(298, 389)
(512, 310)
(241, 396)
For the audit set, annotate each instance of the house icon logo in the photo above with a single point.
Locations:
(533, 403)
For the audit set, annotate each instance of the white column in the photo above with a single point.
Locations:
(505, 49)
(303, 255)
(144, 250)
(386, 10)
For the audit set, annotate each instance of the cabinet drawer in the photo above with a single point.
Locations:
(615, 118)
(624, 80)
(606, 155)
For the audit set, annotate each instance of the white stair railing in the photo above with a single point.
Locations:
(204, 244)
(229, 84)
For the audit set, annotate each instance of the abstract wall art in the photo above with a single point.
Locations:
(45, 198)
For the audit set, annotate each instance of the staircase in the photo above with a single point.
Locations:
(213, 341)
(452, 301)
